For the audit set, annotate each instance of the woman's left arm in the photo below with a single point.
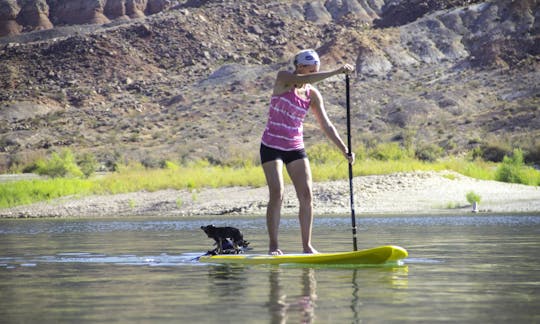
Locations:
(317, 105)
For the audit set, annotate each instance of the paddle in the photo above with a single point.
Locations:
(353, 217)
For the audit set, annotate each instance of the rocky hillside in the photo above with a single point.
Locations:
(193, 78)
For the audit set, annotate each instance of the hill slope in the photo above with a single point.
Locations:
(194, 80)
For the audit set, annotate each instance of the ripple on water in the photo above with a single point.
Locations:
(91, 258)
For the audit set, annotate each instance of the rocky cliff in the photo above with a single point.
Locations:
(193, 79)
(18, 16)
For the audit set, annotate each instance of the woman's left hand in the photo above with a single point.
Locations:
(350, 157)
(347, 69)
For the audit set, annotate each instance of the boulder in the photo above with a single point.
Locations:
(8, 14)
(34, 15)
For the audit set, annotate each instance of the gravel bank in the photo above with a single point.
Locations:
(399, 193)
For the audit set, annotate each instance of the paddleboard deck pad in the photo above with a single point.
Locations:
(377, 255)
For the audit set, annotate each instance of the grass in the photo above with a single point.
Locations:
(327, 164)
(191, 176)
(130, 179)
(30, 191)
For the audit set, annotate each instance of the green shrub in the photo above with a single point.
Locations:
(170, 165)
(151, 162)
(388, 151)
(473, 197)
(476, 153)
(533, 154)
(360, 152)
(88, 164)
(59, 165)
(513, 170)
(495, 152)
(429, 152)
(323, 153)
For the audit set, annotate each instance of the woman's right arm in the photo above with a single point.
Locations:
(285, 79)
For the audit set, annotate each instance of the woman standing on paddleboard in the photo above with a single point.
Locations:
(283, 143)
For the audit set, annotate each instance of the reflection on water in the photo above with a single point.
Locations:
(279, 304)
(460, 269)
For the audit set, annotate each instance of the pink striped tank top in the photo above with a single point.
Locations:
(284, 129)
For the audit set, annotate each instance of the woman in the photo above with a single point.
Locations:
(282, 141)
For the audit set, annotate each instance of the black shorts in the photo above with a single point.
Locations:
(272, 154)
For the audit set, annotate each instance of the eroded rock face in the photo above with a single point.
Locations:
(155, 6)
(135, 8)
(116, 9)
(397, 13)
(8, 14)
(34, 15)
(18, 16)
(77, 12)
(362, 9)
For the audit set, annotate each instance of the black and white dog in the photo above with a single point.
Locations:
(228, 240)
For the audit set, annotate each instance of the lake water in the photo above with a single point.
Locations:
(478, 268)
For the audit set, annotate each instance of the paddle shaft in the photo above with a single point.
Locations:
(353, 217)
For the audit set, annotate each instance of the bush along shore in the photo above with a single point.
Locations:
(68, 185)
(402, 193)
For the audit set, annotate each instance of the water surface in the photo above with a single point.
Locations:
(478, 268)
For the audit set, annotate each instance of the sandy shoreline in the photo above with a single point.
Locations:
(398, 193)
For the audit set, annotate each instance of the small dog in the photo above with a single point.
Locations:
(228, 240)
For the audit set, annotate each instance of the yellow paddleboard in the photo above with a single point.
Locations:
(377, 255)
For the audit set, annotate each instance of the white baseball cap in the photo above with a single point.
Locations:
(307, 57)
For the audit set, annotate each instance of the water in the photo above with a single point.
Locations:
(460, 269)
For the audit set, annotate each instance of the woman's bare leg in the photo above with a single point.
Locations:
(273, 170)
(300, 174)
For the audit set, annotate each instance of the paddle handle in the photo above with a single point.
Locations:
(351, 189)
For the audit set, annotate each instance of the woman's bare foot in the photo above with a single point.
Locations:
(311, 250)
(275, 252)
